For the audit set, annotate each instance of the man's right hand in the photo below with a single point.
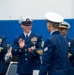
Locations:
(21, 43)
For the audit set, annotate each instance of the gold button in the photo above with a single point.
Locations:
(19, 50)
(1, 62)
(25, 45)
(25, 58)
(15, 49)
(25, 49)
(25, 54)
(37, 61)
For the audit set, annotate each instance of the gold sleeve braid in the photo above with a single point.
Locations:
(40, 52)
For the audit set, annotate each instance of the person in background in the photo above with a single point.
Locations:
(63, 28)
(8, 57)
(8, 54)
(29, 47)
(54, 58)
(3, 51)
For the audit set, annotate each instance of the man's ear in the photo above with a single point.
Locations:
(21, 26)
(50, 24)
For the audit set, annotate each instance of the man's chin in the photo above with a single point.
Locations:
(28, 31)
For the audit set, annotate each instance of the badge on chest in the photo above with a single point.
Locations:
(34, 40)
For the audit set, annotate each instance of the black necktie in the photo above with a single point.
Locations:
(26, 37)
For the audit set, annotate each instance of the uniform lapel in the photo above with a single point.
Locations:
(30, 37)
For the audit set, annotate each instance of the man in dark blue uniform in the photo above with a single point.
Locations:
(28, 46)
(3, 51)
(64, 29)
(54, 59)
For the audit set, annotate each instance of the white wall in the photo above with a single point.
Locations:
(15, 9)
(73, 8)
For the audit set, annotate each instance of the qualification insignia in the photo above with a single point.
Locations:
(34, 40)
